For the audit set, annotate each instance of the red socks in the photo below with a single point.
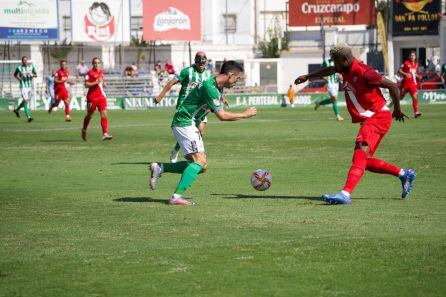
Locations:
(415, 105)
(379, 166)
(104, 124)
(86, 122)
(356, 170)
(67, 109)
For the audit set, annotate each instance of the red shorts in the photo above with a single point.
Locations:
(374, 129)
(61, 95)
(99, 104)
(412, 89)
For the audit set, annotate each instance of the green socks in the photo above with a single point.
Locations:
(175, 167)
(25, 105)
(325, 101)
(177, 147)
(335, 108)
(188, 177)
(22, 104)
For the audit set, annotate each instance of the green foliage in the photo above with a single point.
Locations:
(271, 48)
(58, 51)
(78, 219)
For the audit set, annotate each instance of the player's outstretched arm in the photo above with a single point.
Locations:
(323, 72)
(91, 84)
(395, 94)
(166, 89)
(223, 115)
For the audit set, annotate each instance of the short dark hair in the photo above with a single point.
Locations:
(24, 57)
(95, 58)
(63, 60)
(231, 66)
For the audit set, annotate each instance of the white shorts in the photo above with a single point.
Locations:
(333, 89)
(27, 93)
(189, 139)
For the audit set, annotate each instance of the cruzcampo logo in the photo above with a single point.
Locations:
(26, 8)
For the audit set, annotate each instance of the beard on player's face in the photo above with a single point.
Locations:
(343, 65)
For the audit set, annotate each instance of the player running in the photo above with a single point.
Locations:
(332, 85)
(409, 83)
(367, 106)
(60, 89)
(25, 74)
(189, 78)
(96, 99)
(203, 99)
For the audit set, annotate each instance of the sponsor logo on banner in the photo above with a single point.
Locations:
(99, 23)
(434, 96)
(171, 19)
(416, 17)
(28, 19)
(331, 12)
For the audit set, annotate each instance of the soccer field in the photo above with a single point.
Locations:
(78, 219)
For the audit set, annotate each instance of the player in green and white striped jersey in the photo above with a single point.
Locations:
(25, 74)
(332, 89)
(189, 78)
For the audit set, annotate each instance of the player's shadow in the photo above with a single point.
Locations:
(57, 140)
(132, 163)
(141, 200)
(243, 196)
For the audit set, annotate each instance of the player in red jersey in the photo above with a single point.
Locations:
(367, 106)
(409, 83)
(96, 99)
(60, 89)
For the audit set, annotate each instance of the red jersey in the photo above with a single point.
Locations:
(362, 93)
(60, 74)
(409, 67)
(96, 92)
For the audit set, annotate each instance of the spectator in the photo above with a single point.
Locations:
(81, 69)
(169, 67)
(129, 72)
(158, 67)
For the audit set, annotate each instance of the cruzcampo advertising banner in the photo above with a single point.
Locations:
(29, 20)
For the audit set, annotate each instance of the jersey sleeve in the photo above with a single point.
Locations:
(184, 74)
(17, 71)
(212, 97)
(372, 78)
(33, 70)
(324, 64)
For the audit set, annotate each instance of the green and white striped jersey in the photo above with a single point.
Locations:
(205, 98)
(189, 78)
(25, 73)
(332, 79)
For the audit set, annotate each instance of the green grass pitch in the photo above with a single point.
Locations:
(78, 219)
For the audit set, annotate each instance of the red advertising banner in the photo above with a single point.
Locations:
(333, 12)
(171, 20)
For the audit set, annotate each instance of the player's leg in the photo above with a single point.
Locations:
(414, 95)
(66, 102)
(56, 102)
(91, 107)
(102, 107)
(192, 146)
(174, 153)
(27, 93)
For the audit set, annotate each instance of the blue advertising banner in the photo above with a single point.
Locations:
(29, 20)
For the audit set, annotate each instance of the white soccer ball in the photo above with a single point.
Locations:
(261, 180)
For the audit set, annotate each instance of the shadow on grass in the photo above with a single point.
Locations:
(141, 200)
(242, 196)
(315, 198)
(132, 163)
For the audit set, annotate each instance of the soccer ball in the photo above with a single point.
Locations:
(261, 180)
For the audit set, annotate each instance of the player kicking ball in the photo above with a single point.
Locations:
(367, 106)
(189, 78)
(96, 99)
(203, 99)
(60, 89)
